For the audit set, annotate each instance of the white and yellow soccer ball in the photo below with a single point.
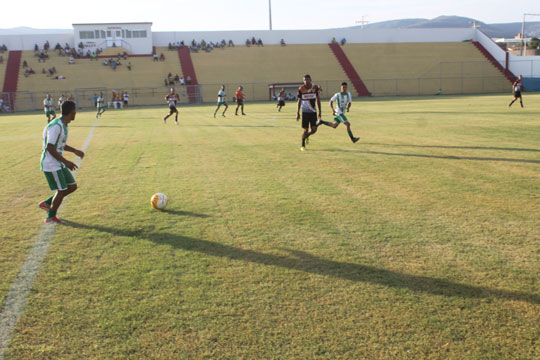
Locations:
(159, 201)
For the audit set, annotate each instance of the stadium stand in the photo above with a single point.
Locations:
(424, 68)
(256, 67)
(89, 77)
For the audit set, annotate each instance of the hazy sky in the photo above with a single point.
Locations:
(200, 15)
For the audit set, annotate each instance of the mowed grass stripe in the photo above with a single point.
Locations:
(268, 252)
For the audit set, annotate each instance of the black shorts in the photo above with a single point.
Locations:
(172, 108)
(517, 94)
(240, 101)
(281, 103)
(309, 119)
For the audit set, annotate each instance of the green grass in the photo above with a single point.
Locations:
(420, 241)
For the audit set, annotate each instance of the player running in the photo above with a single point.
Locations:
(308, 96)
(281, 99)
(239, 100)
(54, 165)
(171, 98)
(48, 107)
(516, 87)
(221, 101)
(100, 105)
(343, 100)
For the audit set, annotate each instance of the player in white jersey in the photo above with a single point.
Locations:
(171, 98)
(222, 100)
(343, 101)
(60, 102)
(100, 105)
(54, 166)
(48, 107)
(516, 88)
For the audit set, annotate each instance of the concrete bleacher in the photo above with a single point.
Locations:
(256, 67)
(423, 68)
(141, 82)
(3, 69)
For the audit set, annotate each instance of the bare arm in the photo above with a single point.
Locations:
(77, 152)
(319, 105)
(52, 150)
(298, 108)
(332, 106)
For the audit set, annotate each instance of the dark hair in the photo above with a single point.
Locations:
(67, 107)
(344, 84)
(307, 76)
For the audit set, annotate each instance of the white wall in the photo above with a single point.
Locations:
(27, 42)
(318, 36)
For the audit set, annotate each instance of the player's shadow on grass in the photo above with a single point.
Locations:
(305, 262)
(455, 147)
(444, 157)
(98, 126)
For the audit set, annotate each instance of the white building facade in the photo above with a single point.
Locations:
(136, 38)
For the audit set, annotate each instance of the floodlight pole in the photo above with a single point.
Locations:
(523, 42)
(270, 12)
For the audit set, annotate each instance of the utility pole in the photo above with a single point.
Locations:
(270, 12)
(363, 22)
(523, 41)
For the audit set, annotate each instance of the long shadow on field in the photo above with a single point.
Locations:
(185, 213)
(244, 126)
(445, 157)
(98, 126)
(455, 147)
(302, 261)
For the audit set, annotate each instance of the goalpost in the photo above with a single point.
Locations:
(291, 89)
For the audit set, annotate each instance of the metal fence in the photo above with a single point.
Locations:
(470, 80)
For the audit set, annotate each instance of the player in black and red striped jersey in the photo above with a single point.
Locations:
(308, 99)
(171, 98)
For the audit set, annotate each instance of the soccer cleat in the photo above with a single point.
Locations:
(164, 120)
(354, 140)
(44, 206)
(53, 220)
(235, 114)
(303, 148)
(176, 122)
(214, 115)
(223, 115)
(243, 114)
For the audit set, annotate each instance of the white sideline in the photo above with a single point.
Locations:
(15, 300)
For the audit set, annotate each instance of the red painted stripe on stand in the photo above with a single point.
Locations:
(349, 69)
(11, 77)
(189, 70)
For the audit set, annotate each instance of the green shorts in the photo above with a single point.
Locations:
(100, 107)
(221, 103)
(59, 180)
(50, 113)
(341, 119)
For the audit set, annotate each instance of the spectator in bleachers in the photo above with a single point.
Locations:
(188, 80)
(36, 47)
(3, 48)
(177, 79)
(155, 57)
(182, 81)
(93, 56)
(253, 41)
(125, 96)
(162, 57)
(26, 72)
(59, 77)
(71, 60)
(343, 41)
(24, 64)
(231, 44)
(81, 45)
(67, 47)
(248, 43)
(47, 45)
(129, 66)
(58, 46)
(43, 71)
(334, 41)
(31, 71)
(259, 42)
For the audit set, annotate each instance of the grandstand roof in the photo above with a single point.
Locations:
(118, 23)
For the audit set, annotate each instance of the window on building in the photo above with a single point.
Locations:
(118, 33)
(139, 33)
(103, 34)
(96, 32)
(109, 34)
(128, 33)
(86, 34)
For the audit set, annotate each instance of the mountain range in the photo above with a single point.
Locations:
(503, 30)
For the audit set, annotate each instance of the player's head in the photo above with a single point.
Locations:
(344, 87)
(520, 77)
(68, 110)
(48, 96)
(307, 80)
(240, 88)
(222, 87)
(171, 90)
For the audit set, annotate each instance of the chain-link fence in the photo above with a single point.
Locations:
(446, 78)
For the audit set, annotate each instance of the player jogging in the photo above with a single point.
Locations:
(308, 96)
(55, 167)
(343, 101)
(221, 101)
(48, 107)
(516, 87)
(171, 98)
(281, 99)
(99, 105)
(239, 100)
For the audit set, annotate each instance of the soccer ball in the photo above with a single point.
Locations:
(159, 201)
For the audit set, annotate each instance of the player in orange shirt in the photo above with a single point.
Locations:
(239, 100)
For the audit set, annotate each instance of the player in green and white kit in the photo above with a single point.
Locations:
(343, 100)
(54, 165)
(48, 107)
(221, 101)
(99, 105)
(60, 102)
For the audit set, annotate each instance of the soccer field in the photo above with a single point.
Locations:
(419, 241)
